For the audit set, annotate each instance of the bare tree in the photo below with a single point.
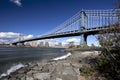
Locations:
(109, 39)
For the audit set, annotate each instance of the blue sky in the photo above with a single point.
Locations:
(36, 17)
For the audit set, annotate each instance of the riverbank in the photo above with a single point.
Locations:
(67, 68)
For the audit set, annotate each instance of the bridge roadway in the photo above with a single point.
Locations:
(87, 31)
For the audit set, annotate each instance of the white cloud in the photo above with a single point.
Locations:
(3, 40)
(8, 35)
(17, 2)
(76, 40)
(23, 37)
(11, 36)
(28, 36)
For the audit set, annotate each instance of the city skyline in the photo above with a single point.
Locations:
(33, 18)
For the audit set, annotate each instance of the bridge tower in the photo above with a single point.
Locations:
(83, 41)
(21, 37)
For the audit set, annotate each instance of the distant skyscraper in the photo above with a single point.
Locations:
(41, 44)
(27, 44)
(46, 44)
(34, 44)
(66, 45)
(60, 44)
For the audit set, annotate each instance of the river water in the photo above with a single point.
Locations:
(11, 56)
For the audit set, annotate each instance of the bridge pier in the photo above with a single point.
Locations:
(83, 41)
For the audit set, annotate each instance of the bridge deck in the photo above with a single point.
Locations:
(88, 31)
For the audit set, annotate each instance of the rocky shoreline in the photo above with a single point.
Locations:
(65, 69)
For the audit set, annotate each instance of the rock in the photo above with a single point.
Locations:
(81, 78)
(22, 78)
(58, 79)
(12, 79)
(30, 73)
(64, 72)
(19, 76)
(69, 74)
(37, 68)
(66, 64)
(21, 71)
(42, 76)
(29, 78)
(77, 71)
(4, 79)
(67, 69)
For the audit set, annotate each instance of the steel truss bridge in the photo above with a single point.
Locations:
(84, 23)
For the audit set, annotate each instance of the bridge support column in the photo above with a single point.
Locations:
(83, 41)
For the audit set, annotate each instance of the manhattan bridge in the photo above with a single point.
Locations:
(83, 23)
